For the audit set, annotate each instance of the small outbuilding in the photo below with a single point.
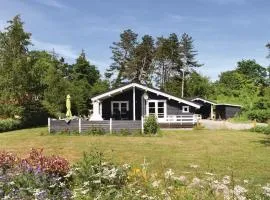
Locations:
(213, 110)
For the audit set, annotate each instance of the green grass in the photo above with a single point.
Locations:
(246, 154)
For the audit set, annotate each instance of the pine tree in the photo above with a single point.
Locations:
(123, 52)
(14, 66)
(82, 69)
(188, 58)
(140, 68)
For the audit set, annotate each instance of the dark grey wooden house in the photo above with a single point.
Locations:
(219, 111)
(135, 101)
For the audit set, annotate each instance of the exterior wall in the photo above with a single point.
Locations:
(205, 109)
(226, 111)
(173, 107)
(124, 96)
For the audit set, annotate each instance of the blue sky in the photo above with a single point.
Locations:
(224, 31)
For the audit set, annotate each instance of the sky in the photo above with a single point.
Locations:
(224, 31)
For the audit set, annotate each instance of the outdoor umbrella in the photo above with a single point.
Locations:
(68, 105)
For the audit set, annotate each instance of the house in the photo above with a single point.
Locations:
(135, 101)
(213, 110)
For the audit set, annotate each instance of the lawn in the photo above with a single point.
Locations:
(222, 152)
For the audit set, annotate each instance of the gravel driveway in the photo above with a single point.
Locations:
(210, 124)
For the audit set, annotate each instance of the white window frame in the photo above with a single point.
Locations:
(183, 109)
(119, 102)
(156, 107)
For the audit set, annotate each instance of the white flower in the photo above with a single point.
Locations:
(97, 181)
(126, 166)
(52, 186)
(196, 182)
(155, 184)
(266, 190)
(239, 192)
(85, 191)
(62, 184)
(210, 174)
(226, 180)
(169, 173)
(246, 181)
(182, 179)
(86, 183)
(69, 174)
(194, 166)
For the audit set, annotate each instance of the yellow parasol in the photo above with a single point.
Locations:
(68, 105)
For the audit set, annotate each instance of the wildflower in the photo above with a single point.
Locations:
(246, 181)
(239, 192)
(11, 183)
(97, 181)
(86, 183)
(155, 184)
(52, 186)
(84, 192)
(196, 182)
(210, 174)
(126, 166)
(182, 179)
(170, 187)
(193, 166)
(266, 190)
(226, 180)
(69, 174)
(62, 184)
(169, 173)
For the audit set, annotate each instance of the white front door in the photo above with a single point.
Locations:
(157, 108)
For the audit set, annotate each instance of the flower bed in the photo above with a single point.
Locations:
(51, 177)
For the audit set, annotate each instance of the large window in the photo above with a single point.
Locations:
(120, 109)
(157, 108)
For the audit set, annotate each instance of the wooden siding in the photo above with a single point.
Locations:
(61, 125)
(226, 111)
(127, 125)
(90, 125)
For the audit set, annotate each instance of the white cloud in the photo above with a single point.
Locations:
(66, 51)
(2, 24)
(51, 3)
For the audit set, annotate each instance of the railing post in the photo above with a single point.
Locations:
(80, 125)
(49, 125)
(110, 125)
(142, 122)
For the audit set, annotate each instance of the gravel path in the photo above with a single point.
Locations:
(210, 124)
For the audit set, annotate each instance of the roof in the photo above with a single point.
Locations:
(146, 88)
(204, 100)
(227, 104)
(214, 103)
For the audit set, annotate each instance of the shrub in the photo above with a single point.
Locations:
(259, 115)
(261, 129)
(7, 161)
(36, 161)
(9, 124)
(94, 177)
(151, 125)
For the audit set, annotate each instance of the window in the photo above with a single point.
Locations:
(157, 108)
(119, 109)
(185, 109)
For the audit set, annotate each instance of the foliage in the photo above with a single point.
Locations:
(9, 124)
(97, 178)
(259, 115)
(151, 125)
(261, 129)
(123, 52)
(36, 176)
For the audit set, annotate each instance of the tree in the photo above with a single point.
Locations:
(167, 59)
(123, 52)
(198, 85)
(252, 71)
(82, 69)
(14, 65)
(188, 58)
(140, 67)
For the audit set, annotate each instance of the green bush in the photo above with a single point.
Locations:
(259, 115)
(151, 125)
(262, 129)
(9, 124)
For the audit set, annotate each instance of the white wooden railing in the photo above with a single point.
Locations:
(182, 119)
